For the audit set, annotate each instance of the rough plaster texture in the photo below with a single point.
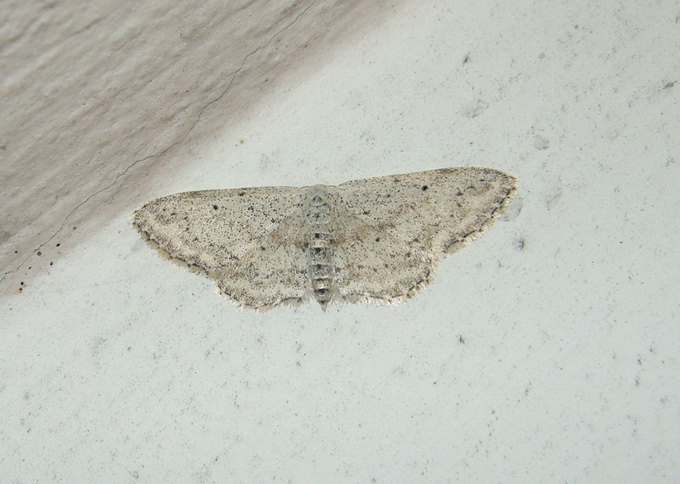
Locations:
(545, 352)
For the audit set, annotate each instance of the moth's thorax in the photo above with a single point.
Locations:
(319, 248)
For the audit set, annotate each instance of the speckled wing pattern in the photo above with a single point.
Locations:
(372, 264)
(209, 230)
(435, 211)
(273, 272)
(372, 240)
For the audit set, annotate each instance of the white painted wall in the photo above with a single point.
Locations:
(547, 351)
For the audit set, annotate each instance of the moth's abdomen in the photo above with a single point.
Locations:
(320, 266)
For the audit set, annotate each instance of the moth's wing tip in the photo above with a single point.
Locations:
(456, 245)
(134, 216)
(139, 217)
(511, 180)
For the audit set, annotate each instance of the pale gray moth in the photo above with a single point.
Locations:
(375, 240)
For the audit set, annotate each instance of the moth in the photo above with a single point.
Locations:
(372, 240)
